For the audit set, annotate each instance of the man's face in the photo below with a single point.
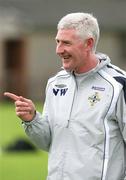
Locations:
(71, 48)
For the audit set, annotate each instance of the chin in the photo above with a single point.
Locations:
(67, 68)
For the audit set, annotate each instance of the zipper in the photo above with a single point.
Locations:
(75, 90)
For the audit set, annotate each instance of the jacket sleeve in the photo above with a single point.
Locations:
(121, 113)
(38, 130)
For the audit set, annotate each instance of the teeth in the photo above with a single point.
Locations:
(66, 57)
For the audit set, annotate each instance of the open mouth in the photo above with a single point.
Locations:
(66, 57)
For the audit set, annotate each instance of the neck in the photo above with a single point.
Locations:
(90, 62)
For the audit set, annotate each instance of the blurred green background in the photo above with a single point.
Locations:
(18, 165)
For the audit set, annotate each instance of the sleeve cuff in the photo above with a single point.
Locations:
(36, 118)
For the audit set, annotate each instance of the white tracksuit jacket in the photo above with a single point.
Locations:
(83, 124)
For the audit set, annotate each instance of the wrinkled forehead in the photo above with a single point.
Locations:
(67, 34)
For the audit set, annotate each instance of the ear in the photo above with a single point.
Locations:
(89, 43)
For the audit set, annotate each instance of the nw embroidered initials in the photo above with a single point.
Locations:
(60, 92)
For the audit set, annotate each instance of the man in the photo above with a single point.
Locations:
(83, 121)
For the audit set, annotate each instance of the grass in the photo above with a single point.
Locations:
(23, 165)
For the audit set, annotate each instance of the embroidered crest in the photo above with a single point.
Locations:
(94, 99)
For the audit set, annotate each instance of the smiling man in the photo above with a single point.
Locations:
(83, 124)
(74, 51)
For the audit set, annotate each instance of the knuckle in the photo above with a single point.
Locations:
(29, 100)
(17, 103)
(18, 114)
(17, 109)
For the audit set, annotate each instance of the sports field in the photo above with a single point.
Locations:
(18, 165)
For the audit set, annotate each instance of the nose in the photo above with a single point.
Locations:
(59, 49)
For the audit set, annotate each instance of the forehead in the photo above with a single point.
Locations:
(67, 34)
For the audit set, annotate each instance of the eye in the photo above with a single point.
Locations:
(63, 42)
(66, 42)
(57, 41)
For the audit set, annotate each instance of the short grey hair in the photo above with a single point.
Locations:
(85, 24)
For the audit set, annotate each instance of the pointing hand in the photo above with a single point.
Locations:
(25, 108)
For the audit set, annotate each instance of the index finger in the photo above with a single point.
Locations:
(11, 96)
